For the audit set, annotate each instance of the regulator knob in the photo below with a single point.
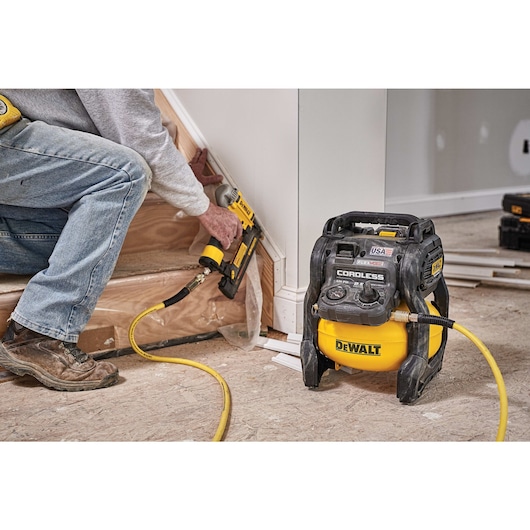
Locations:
(368, 294)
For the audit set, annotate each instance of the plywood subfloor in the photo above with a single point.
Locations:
(168, 402)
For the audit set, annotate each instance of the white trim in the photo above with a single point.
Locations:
(294, 338)
(189, 124)
(440, 204)
(289, 310)
(279, 346)
(289, 361)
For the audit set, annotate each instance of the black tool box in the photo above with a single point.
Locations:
(517, 204)
(514, 232)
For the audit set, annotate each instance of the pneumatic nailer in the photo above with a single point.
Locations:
(213, 255)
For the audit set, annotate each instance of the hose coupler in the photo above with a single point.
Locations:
(405, 316)
(186, 290)
(198, 279)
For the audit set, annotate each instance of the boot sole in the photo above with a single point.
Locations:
(22, 368)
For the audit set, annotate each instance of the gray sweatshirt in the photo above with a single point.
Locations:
(127, 117)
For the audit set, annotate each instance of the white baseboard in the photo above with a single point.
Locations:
(441, 204)
(289, 310)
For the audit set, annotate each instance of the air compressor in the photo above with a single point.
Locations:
(364, 268)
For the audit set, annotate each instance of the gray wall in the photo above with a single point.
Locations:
(342, 142)
(452, 151)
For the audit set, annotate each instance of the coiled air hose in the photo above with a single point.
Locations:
(166, 303)
(404, 316)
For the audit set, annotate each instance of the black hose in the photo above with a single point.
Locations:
(436, 320)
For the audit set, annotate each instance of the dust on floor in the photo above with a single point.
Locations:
(169, 402)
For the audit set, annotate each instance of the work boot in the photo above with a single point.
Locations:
(56, 364)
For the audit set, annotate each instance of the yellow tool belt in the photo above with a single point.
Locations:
(8, 113)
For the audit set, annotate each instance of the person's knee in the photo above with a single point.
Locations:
(140, 175)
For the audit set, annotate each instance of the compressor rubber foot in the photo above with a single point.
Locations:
(414, 375)
(314, 364)
(409, 378)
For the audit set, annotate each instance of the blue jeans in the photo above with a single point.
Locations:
(66, 201)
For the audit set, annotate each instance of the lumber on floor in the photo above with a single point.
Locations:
(485, 261)
(477, 266)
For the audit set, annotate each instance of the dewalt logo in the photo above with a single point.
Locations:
(244, 206)
(357, 348)
(437, 266)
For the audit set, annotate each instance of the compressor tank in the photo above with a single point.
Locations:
(373, 348)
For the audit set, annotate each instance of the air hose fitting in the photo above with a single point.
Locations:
(405, 316)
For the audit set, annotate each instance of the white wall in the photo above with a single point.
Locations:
(298, 157)
(252, 136)
(342, 159)
(303, 156)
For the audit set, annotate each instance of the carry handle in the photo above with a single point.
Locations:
(418, 228)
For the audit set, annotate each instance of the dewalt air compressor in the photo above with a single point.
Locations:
(364, 267)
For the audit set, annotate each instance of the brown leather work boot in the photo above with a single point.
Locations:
(56, 364)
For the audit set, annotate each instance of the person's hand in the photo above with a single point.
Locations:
(222, 224)
(198, 165)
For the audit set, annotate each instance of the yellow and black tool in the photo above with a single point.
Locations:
(213, 256)
(366, 305)
(363, 267)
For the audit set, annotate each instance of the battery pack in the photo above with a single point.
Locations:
(8, 113)
(514, 232)
(517, 204)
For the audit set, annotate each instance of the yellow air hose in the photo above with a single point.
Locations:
(400, 316)
(503, 398)
(404, 316)
(179, 296)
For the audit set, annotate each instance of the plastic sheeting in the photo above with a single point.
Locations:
(245, 335)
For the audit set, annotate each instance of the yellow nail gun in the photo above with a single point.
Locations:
(213, 255)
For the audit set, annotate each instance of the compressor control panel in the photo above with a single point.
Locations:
(369, 269)
(361, 280)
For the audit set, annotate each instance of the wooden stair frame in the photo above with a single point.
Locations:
(155, 263)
